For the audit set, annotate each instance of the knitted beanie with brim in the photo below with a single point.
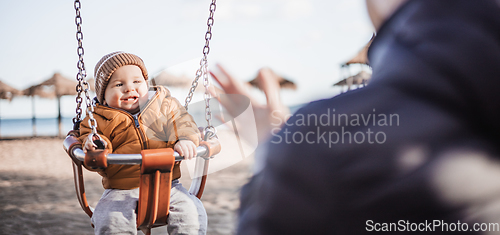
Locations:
(109, 64)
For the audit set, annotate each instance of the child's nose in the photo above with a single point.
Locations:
(129, 88)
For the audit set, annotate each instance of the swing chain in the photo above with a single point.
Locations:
(80, 65)
(81, 75)
(208, 114)
(203, 72)
(206, 50)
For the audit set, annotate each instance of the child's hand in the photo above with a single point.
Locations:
(90, 146)
(186, 148)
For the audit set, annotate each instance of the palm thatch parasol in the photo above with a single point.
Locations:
(7, 92)
(54, 87)
(362, 56)
(284, 83)
(361, 78)
(167, 79)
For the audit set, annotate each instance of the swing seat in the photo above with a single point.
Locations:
(155, 178)
(157, 164)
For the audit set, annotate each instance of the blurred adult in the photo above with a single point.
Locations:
(415, 150)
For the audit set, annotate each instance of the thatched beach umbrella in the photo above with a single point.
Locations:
(55, 87)
(7, 92)
(361, 59)
(284, 83)
(361, 78)
(362, 56)
(167, 79)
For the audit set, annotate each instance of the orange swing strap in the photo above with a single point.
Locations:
(155, 185)
(70, 144)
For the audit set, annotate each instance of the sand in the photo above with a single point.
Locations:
(37, 194)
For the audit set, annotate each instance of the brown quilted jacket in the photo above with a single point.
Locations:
(160, 124)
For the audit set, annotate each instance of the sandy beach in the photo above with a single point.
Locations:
(37, 194)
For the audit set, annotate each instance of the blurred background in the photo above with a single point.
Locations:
(306, 42)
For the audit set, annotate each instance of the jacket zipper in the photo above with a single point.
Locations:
(136, 120)
(137, 125)
(141, 133)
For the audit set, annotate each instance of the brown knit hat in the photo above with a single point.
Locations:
(109, 64)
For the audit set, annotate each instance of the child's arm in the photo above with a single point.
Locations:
(180, 124)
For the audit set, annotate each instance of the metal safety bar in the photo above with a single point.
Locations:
(131, 159)
(204, 152)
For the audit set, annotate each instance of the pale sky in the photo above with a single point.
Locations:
(303, 40)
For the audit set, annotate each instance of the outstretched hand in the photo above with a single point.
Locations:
(264, 113)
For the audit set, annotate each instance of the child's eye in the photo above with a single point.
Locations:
(119, 85)
(137, 81)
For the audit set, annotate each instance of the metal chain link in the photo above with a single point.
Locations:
(203, 72)
(81, 75)
(81, 67)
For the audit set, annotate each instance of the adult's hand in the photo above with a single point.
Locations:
(267, 116)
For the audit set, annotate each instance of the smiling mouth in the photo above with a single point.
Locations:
(132, 98)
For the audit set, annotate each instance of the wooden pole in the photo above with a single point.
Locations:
(59, 116)
(0, 127)
(33, 120)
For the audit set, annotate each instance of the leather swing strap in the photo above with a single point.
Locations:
(154, 189)
(72, 142)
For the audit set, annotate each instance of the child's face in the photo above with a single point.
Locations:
(126, 89)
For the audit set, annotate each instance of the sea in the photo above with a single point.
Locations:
(49, 127)
(13, 128)
(16, 116)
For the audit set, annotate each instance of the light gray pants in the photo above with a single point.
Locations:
(115, 212)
